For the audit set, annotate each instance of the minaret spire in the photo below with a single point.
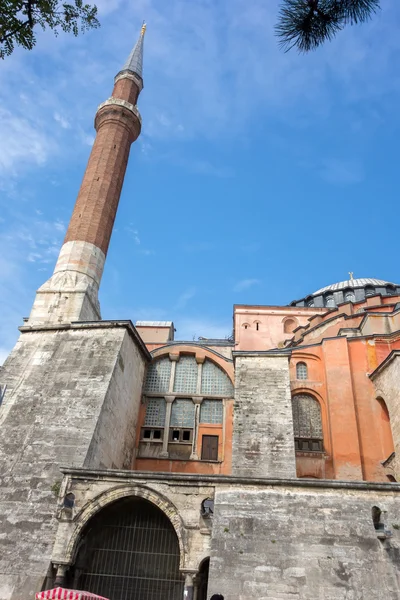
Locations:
(71, 294)
(134, 63)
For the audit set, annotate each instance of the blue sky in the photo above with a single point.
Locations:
(259, 176)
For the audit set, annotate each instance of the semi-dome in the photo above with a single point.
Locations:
(352, 290)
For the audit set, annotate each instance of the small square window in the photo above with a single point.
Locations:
(186, 435)
(147, 434)
(157, 434)
(175, 435)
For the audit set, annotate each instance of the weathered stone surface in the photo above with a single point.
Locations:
(263, 444)
(73, 397)
(294, 543)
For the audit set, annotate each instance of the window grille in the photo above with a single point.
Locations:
(211, 411)
(307, 422)
(182, 413)
(158, 376)
(349, 297)
(155, 413)
(369, 291)
(186, 375)
(301, 370)
(214, 381)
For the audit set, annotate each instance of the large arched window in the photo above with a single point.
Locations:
(301, 370)
(174, 386)
(129, 550)
(307, 423)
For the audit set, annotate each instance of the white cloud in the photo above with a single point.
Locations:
(184, 298)
(65, 124)
(245, 284)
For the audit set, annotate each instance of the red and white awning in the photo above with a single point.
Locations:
(63, 594)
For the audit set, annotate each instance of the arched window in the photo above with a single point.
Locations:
(181, 381)
(301, 370)
(349, 296)
(390, 291)
(289, 325)
(246, 325)
(307, 423)
(329, 301)
(310, 302)
(369, 291)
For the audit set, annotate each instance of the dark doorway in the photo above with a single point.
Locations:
(129, 551)
(209, 447)
(202, 579)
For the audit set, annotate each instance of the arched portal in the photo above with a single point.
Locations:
(202, 580)
(129, 551)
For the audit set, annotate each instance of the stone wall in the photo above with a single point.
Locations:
(263, 444)
(301, 543)
(72, 398)
(387, 387)
(268, 539)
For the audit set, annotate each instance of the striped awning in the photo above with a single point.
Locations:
(63, 594)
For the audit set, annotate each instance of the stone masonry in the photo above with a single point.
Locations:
(304, 540)
(72, 398)
(263, 444)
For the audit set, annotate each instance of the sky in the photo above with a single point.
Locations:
(259, 177)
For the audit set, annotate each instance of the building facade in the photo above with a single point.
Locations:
(139, 467)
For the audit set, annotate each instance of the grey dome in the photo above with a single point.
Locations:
(352, 290)
(353, 283)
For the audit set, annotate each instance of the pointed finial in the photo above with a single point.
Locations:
(351, 275)
(134, 64)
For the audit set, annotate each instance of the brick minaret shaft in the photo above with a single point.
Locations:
(71, 294)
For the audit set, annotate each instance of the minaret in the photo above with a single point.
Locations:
(71, 294)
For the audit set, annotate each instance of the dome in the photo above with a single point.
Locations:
(353, 283)
(352, 290)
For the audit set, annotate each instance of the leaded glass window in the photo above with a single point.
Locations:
(301, 370)
(186, 375)
(307, 423)
(211, 411)
(158, 376)
(182, 413)
(214, 381)
(155, 413)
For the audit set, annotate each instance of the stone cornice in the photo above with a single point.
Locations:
(128, 325)
(191, 479)
(124, 104)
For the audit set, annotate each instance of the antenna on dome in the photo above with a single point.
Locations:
(351, 275)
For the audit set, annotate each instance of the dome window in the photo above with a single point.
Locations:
(350, 296)
(310, 303)
(329, 301)
(369, 291)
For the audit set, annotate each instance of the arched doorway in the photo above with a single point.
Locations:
(129, 551)
(202, 579)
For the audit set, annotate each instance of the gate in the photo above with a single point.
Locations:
(129, 551)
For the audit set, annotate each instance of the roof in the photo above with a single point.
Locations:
(134, 62)
(154, 324)
(352, 283)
